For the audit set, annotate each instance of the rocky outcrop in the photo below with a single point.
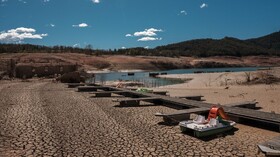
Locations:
(71, 77)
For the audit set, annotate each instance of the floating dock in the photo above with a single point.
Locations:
(236, 112)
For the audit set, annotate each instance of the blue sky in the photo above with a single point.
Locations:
(109, 24)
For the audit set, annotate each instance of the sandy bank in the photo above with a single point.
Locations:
(227, 88)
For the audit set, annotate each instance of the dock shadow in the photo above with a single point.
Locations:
(106, 97)
(259, 124)
(209, 138)
(168, 123)
(257, 108)
(123, 106)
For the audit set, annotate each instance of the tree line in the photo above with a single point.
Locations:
(266, 45)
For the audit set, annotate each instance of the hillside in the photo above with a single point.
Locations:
(271, 41)
(266, 45)
(122, 62)
(228, 46)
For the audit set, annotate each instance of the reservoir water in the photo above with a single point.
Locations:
(148, 81)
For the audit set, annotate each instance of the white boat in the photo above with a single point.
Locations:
(215, 124)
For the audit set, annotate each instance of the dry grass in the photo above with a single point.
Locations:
(265, 77)
(120, 62)
(98, 63)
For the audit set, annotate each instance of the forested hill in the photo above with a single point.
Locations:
(271, 41)
(266, 45)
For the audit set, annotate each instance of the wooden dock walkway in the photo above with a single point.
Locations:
(192, 97)
(136, 101)
(236, 113)
(270, 147)
(181, 115)
(160, 92)
(91, 88)
(74, 85)
(107, 93)
(154, 92)
(243, 104)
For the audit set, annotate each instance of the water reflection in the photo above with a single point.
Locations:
(147, 81)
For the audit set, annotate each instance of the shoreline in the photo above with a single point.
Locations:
(111, 71)
(227, 87)
(191, 68)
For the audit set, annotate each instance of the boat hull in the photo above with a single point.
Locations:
(208, 132)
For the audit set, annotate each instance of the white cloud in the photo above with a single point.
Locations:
(46, 1)
(3, 3)
(77, 45)
(81, 25)
(147, 32)
(183, 12)
(149, 39)
(95, 1)
(52, 25)
(123, 47)
(22, 30)
(22, 1)
(146, 47)
(19, 34)
(203, 5)
(146, 35)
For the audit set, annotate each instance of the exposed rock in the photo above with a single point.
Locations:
(71, 77)
(2, 74)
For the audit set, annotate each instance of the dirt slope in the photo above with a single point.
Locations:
(119, 62)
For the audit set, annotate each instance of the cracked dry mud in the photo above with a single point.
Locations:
(47, 119)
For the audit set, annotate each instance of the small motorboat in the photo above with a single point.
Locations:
(217, 122)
